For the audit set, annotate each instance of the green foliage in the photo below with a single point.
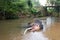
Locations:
(33, 10)
(12, 7)
(50, 10)
(10, 15)
(29, 3)
(54, 2)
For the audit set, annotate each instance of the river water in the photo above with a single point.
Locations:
(14, 29)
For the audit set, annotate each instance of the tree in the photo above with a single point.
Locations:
(13, 6)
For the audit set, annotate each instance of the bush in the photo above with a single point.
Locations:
(10, 15)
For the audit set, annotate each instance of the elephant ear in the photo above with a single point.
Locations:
(40, 24)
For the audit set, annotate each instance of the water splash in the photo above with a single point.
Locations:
(39, 35)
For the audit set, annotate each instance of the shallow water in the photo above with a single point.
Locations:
(13, 29)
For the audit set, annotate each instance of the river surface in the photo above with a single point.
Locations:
(14, 29)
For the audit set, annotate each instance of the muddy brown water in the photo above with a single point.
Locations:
(13, 30)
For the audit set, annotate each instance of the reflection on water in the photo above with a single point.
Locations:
(34, 36)
(13, 30)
